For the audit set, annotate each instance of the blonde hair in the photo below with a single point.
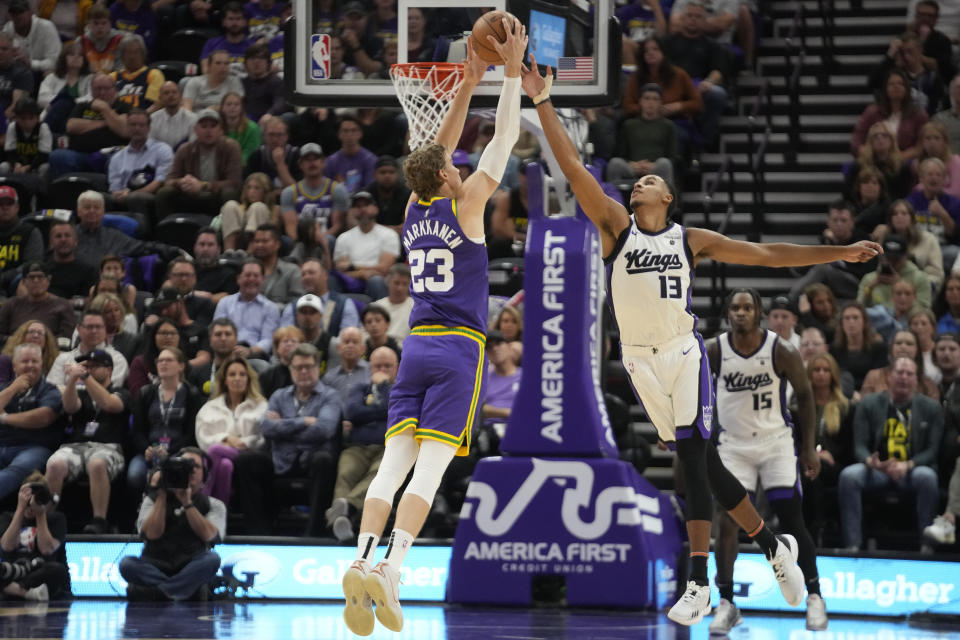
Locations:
(889, 165)
(422, 167)
(514, 313)
(49, 351)
(941, 130)
(836, 407)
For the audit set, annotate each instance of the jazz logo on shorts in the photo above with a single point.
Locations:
(320, 56)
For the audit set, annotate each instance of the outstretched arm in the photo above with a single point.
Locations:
(452, 126)
(709, 244)
(609, 215)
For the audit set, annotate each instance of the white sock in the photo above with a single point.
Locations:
(366, 546)
(400, 543)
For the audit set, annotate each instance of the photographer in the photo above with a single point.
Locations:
(95, 434)
(33, 537)
(876, 288)
(179, 526)
(30, 406)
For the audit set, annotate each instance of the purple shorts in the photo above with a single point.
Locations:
(439, 386)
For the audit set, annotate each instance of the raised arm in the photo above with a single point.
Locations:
(448, 135)
(709, 244)
(609, 215)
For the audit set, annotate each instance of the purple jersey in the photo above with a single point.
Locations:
(448, 271)
(318, 207)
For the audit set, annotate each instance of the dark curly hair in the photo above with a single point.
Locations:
(421, 168)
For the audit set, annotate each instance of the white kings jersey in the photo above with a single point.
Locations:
(751, 397)
(649, 276)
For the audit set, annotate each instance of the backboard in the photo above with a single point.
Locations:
(324, 65)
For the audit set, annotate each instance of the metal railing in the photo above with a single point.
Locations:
(828, 55)
(718, 270)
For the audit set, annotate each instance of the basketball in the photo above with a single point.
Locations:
(490, 23)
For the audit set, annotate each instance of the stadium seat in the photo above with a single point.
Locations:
(506, 276)
(45, 218)
(63, 191)
(174, 70)
(180, 229)
(124, 222)
(187, 44)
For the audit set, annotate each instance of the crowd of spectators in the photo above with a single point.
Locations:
(265, 353)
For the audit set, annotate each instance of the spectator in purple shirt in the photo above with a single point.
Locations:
(353, 165)
(234, 40)
(265, 17)
(503, 380)
(937, 211)
(135, 16)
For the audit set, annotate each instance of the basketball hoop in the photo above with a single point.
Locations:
(426, 90)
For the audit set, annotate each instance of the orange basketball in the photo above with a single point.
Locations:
(490, 23)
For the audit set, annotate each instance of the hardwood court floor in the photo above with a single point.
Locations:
(113, 619)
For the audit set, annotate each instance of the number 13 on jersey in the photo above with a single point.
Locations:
(441, 259)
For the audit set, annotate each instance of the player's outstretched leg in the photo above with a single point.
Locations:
(781, 551)
(399, 455)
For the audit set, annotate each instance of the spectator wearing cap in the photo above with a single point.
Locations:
(255, 316)
(206, 171)
(352, 165)
(234, 42)
(281, 282)
(315, 201)
(337, 310)
(16, 79)
(782, 320)
(98, 419)
(20, 242)
(276, 157)
(277, 376)
(92, 331)
(30, 408)
(27, 147)
(137, 171)
(390, 193)
(194, 340)
(172, 122)
(309, 320)
(363, 49)
(876, 288)
(207, 91)
(54, 312)
(398, 302)
(36, 40)
(263, 87)
(365, 253)
(647, 143)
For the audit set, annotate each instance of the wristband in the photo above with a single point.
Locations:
(544, 95)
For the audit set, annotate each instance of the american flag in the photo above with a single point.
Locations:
(575, 69)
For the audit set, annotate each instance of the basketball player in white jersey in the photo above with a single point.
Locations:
(650, 262)
(755, 442)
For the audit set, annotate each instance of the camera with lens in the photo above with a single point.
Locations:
(175, 472)
(41, 493)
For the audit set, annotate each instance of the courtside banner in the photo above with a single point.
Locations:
(303, 572)
(866, 586)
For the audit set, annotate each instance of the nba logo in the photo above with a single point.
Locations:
(320, 56)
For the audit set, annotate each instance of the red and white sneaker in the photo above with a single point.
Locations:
(383, 585)
(358, 614)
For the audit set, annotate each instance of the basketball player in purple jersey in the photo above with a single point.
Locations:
(650, 262)
(436, 397)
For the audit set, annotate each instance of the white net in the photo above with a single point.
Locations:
(425, 91)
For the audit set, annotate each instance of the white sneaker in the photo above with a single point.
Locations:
(358, 614)
(41, 593)
(725, 617)
(383, 585)
(942, 531)
(788, 574)
(692, 605)
(816, 613)
(339, 507)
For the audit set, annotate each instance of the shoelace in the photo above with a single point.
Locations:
(690, 595)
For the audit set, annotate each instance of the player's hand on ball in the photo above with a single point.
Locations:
(862, 251)
(532, 82)
(474, 66)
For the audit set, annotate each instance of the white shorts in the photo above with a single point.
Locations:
(770, 462)
(672, 382)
